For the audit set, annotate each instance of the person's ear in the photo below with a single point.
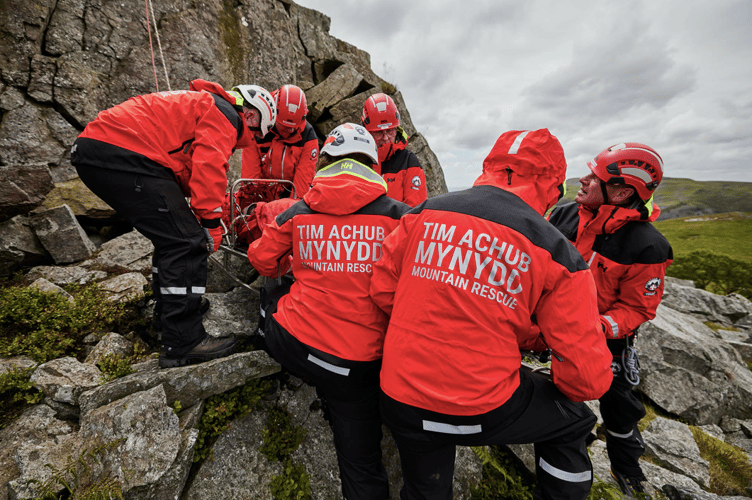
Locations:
(622, 195)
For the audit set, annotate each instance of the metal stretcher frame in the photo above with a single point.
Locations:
(229, 238)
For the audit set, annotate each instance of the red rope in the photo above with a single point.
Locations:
(151, 46)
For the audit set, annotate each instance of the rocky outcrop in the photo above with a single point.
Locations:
(62, 61)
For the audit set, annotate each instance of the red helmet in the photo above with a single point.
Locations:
(630, 163)
(380, 113)
(291, 106)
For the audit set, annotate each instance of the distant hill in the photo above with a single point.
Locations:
(685, 197)
(727, 234)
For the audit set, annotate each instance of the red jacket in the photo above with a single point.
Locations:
(404, 176)
(293, 158)
(335, 234)
(463, 273)
(193, 133)
(627, 256)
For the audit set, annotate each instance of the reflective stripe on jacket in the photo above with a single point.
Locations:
(627, 256)
(335, 234)
(193, 133)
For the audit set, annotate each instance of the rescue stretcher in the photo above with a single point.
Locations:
(241, 223)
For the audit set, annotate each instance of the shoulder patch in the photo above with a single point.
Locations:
(416, 182)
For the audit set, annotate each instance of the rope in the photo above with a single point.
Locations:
(159, 44)
(151, 46)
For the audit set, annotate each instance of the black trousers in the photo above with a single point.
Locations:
(621, 411)
(350, 390)
(536, 413)
(156, 207)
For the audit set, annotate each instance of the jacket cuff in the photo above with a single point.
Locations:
(210, 223)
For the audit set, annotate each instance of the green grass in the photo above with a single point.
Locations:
(730, 471)
(728, 233)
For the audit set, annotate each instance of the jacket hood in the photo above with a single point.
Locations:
(529, 164)
(344, 187)
(246, 138)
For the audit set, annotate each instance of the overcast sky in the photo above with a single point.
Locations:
(673, 74)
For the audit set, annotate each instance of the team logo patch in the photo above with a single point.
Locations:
(314, 154)
(416, 182)
(653, 284)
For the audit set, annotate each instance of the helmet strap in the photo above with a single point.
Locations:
(605, 193)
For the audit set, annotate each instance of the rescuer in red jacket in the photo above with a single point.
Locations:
(461, 276)
(326, 328)
(610, 224)
(400, 168)
(290, 150)
(143, 158)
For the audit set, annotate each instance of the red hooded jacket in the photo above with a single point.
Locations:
(464, 272)
(401, 169)
(627, 256)
(335, 234)
(191, 132)
(292, 158)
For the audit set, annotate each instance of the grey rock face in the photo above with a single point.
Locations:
(125, 287)
(62, 235)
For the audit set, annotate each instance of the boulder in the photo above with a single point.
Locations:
(130, 251)
(188, 384)
(62, 235)
(65, 379)
(19, 246)
(124, 288)
(111, 344)
(65, 275)
(689, 372)
(79, 198)
(43, 285)
(672, 446)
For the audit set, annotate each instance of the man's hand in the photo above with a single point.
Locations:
(213, 231)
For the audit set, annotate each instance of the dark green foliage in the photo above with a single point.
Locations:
(605, 491)
(293, 484)
(730, 471)
(78, 479)
(714, 272)
(281, 438)
(221, 409)
(113, 367)
(16, 394)
(46, 325)
(501, 479)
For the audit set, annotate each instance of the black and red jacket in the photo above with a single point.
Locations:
(192, 132)
(463, 273)
(292, 158)
(627, 256)
(404, 176)
(335, 234)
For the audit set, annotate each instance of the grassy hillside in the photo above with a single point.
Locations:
(729, 234)
(685, 197)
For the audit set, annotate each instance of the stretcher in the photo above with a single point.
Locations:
(240, 223)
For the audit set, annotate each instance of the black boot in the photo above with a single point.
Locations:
(209, 348)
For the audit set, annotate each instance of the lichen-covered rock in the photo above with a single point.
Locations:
(65, 379)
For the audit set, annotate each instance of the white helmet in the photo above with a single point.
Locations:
(259, 98)
(350, 138)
